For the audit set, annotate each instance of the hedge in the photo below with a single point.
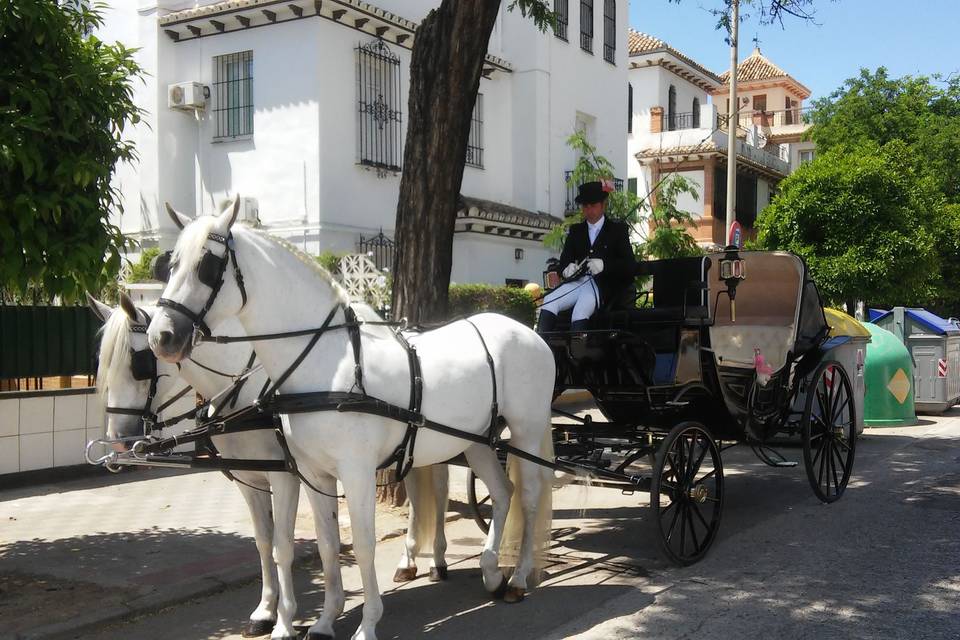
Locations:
(467, 299)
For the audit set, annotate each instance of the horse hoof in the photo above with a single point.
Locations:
(514, 595)
(405, 575)
(256, 628)
(438, 574)
(500, 591)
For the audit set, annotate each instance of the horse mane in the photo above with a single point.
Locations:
(114, 351)
(338, 291)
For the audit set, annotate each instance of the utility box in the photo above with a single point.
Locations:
(934, 346)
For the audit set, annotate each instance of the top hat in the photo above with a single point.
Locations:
(591, 192)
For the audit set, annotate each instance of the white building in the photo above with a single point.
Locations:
(675, 129)
(301, 106)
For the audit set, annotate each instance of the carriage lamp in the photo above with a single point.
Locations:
(518, 254)
(733, 270)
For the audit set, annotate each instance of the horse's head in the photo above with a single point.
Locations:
(129, 378)
(202, 289)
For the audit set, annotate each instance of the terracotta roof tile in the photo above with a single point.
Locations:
(639, 44)
(757, 67)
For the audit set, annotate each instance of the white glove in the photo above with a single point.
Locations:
(570, 269)
(594, 266)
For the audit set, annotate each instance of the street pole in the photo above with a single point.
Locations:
(733, 112)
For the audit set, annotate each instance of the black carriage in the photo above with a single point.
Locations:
(719, 350)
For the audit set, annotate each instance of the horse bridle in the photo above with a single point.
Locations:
(210, 272)
(143, 366)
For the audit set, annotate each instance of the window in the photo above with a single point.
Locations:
(586, 25)
(562, 10)
(610, 30)
(378, 106)
(807, 156)
(672, 108)
(696, 113)
(475, 142)
(629, 108)
(233, 95)
(760, 102)
(632, 185)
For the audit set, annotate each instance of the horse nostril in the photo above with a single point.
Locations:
(166, 338)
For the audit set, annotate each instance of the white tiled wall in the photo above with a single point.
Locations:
(48, 430)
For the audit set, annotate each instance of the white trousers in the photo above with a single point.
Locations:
(580, 294)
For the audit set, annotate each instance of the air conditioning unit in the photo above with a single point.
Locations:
(249, 211)
(186, 95)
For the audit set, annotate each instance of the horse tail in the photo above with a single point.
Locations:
(424, 500)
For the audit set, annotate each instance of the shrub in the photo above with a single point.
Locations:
(468, 299)
(140, 272)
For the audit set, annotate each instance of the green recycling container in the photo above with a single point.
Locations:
(888, 374)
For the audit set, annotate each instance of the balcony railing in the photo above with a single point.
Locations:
(769, 119)
(572, 206)
(677, 121)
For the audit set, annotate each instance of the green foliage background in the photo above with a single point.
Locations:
(467, 299)
(65, 98)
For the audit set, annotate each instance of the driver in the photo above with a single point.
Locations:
(597, 262)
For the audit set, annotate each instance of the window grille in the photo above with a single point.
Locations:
(586, 25)
(629, 107)
(378, 106)
(672, 109)
(475, 142)
(610, 31)
(696, 113)
(233, 94)
(561, 8)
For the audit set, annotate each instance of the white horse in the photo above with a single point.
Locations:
(283, 290)
(125, 333)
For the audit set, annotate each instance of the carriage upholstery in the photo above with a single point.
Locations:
(767, 312)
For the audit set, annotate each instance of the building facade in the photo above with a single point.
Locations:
(676, 129)
(300, 107)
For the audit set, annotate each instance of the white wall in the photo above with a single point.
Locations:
(491, 260)
(686, 201)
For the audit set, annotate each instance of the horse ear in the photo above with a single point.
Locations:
(99, 309)
(178, 218)
(128, 307)
(229, 215)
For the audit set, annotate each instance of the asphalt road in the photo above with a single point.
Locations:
(883, 562)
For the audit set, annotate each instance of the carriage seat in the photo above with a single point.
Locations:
(679, 290)
(734, 344)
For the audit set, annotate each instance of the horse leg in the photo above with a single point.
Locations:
(264, 616)
(286, 493)
(484, 462)
(359, 485)
(414, 483)
(534, 495)
(328, 542)
(440, 479)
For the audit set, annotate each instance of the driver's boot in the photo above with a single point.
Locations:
(547, 321)
(580, 325)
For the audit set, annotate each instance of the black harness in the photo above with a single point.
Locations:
(272, 404)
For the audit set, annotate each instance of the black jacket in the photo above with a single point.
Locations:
(612, 246)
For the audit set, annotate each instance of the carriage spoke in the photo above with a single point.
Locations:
(484, 501)
(708, 475)
(843, 444)
(683, 528)
(696, 510)
(823, 460)
(673, 523)
(840, 459)
(696, 465)
(846, 402)
(693, 532)
(833, 469)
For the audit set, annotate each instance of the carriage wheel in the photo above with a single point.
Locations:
(479, 499)
(686, 494)
(829, 431)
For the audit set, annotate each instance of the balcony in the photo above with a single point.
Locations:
(785, 119)
(571, 206)
(678, 121)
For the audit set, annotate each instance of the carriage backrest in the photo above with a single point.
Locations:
(768, 305)
(680, 281)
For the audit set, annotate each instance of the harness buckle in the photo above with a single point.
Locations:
(197, 335)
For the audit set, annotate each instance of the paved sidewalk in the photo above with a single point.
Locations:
(86, 551)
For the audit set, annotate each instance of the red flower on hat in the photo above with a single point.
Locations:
(607, 186)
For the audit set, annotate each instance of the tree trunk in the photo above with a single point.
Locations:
(447, 59)
(448, 55)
